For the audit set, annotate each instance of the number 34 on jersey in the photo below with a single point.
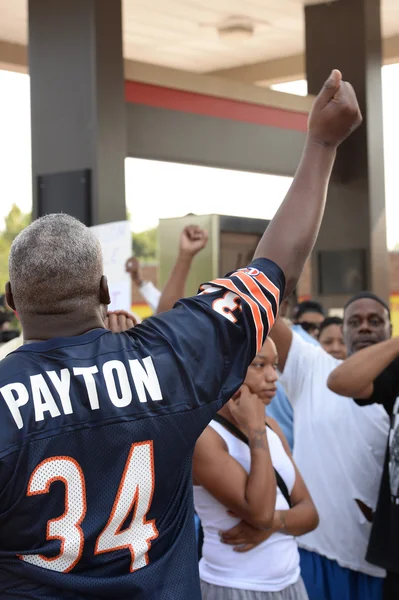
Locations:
(134, 496)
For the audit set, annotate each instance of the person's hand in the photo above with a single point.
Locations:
(192, 240)
(244, 537)
(247, 409)
(335, 113)
(134, 270)
(118, 321)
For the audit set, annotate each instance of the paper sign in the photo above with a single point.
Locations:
(116, 244)
(121, 296)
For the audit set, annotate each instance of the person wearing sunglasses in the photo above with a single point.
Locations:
(309, 315)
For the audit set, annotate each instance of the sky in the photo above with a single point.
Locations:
(195, 189)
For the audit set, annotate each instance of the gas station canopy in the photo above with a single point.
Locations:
(185, 81)
(259, 41)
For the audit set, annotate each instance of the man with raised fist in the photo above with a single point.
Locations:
(97, 429)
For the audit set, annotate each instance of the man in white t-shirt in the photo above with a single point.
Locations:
(339, 448)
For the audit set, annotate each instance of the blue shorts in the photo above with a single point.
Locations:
(325, 580)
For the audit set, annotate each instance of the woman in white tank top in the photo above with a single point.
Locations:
(250, 551)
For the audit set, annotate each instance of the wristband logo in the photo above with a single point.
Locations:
(250, 271)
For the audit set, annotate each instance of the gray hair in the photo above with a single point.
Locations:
(55, 266)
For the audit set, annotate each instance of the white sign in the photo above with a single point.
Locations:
(116, 243)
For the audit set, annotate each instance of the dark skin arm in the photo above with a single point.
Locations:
(291, 235)
(302, 517)
(252, 496)
(354, 378)
(281, 335)
(299, 519)
(192, 240)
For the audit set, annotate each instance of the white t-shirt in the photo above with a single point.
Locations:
(274, 564)
(339, 449)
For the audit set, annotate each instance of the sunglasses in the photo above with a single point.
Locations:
(310, 327)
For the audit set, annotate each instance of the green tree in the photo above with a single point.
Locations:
(145, 245)
(15, 222)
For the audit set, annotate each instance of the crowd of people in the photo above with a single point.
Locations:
(112, 431)
(337, 446)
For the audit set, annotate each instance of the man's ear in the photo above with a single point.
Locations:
(105, 297)
(9, 296)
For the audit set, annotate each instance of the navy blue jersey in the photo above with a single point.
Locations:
(96, 439)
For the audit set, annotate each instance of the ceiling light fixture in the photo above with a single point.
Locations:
(235, 29)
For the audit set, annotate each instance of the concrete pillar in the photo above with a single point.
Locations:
(351, 252)
(78, 108)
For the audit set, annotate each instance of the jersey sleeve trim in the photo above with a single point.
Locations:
(255, 310)
(256, 291)
(260, 288)
(269, 285)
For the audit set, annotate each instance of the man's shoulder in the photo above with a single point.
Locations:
(386, 386)
(389, 377)
(13, 365)
(315, 355)
(393, 367)
(302, 347)
(304, 335)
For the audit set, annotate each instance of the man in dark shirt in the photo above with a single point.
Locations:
(372, 376)
(97, 430)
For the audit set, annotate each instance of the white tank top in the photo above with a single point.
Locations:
(270, 567)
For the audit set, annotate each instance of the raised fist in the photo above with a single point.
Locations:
(192, 240)
(335, 112)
